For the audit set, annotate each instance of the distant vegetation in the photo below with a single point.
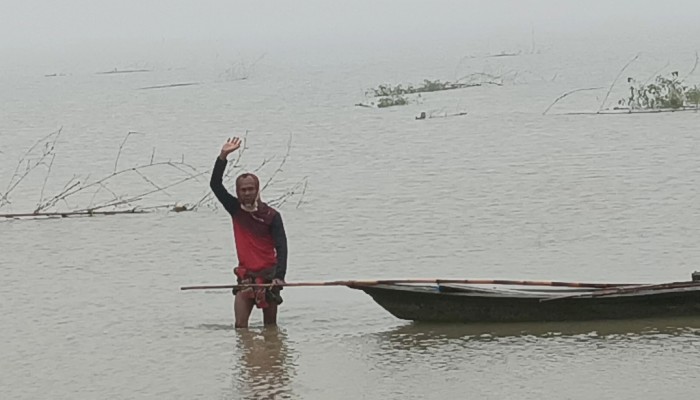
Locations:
(427, 86)
(664, 93)
(395, 100)
(390, 95)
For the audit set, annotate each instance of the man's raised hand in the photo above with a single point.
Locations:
(231, 145)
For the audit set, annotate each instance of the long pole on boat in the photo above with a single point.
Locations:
(628, 289)
(351, 283)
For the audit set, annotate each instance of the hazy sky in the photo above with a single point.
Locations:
(32, 23)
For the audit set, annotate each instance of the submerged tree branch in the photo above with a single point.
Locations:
(695, 66)
(602, 104)
(48, 150)
(566, 94)
(117, 201)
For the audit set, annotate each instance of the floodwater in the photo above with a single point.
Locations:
(91, 307)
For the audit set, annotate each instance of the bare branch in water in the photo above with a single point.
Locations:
(121, 146)
(46, 178)
(279, 168)
(118, 201)
(694, 67)
(178, 167)
(56, 198)
(566, 94)
(303, 192)
(52, 201)
(263, 163)
(145, 178)
(64, 214)
(136, 170)
(297, 188)
(172, 85)
(103, 186)
(612, 85)
(485, 79)
(124, 71)
(70, 181)
(242, 150)
(29, 167)
(656, 73)
(629, 111)
(142, 195)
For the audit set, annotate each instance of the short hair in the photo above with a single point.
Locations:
(248, 175)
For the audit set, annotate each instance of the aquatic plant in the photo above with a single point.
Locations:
(664, 93)
(392, 101)
(693, 96)
(390, 95)
(427, 86)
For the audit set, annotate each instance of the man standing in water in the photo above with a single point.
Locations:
(261, 242)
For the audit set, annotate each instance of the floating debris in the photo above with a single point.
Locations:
(503, 54)
(123, 71)
(170, 85)
(423, 115)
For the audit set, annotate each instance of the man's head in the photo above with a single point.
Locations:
(247, 188)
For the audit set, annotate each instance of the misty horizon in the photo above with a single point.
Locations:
(312, 23)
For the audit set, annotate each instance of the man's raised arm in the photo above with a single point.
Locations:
(216, 184)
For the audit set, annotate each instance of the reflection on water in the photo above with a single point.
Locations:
(419, 338)
(213, 327)
(600, 348)
(486, 331)
(264, 365)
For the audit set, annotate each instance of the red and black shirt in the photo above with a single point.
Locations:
(260, 239)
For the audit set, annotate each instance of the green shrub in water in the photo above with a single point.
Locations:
(664, 93)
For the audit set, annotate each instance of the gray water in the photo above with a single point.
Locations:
(91, 307)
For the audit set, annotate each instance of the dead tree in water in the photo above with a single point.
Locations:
(79, 195)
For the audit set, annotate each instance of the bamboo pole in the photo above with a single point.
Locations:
(628, 289)
(354, 283)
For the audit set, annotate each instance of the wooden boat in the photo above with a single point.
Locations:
(443, 302)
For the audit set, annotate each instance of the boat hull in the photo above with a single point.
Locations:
(434, 304)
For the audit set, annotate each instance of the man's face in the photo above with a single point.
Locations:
(247, 191)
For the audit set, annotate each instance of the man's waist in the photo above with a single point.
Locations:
(266, 272)
(257, 262)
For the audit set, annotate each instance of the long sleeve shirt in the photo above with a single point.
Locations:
(260, 238)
